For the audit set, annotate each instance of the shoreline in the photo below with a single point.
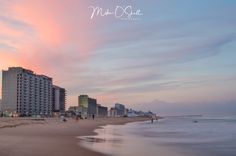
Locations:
(54, 137)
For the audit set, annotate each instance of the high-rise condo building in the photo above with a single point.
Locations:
(120, 109)
(102, 111)
(58, 99)
(87, 105)
(25, 93)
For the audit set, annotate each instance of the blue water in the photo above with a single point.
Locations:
(171, 136)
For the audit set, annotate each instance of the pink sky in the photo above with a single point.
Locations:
(163, 56)
(55, 38)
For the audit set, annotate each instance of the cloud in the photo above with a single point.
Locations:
(47, 38)
(156, 50)
(53, 38)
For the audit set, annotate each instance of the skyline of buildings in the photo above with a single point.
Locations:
(25, 93)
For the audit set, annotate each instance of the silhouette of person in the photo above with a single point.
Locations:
(77, 118)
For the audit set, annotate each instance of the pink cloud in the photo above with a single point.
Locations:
(62, 33)
(54, 36)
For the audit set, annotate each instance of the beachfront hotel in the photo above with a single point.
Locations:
(25, 93)
(118, 111)
(102, 111)
(87, 105)
(58, 99)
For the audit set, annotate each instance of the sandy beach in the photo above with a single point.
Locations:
(26, 137)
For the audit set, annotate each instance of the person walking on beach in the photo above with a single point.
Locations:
(77, 118)
(152, 120)
(63, 118)
(93, 116)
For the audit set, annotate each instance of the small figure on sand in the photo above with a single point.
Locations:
(63, 118)
(152, 120)
(93, 116)
(77, 118)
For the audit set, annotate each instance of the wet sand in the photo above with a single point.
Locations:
(52, 137)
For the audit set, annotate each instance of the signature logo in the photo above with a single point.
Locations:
(123, 13)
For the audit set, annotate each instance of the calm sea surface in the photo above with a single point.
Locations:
(171, 136)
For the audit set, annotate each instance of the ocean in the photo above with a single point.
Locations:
(170, 136)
